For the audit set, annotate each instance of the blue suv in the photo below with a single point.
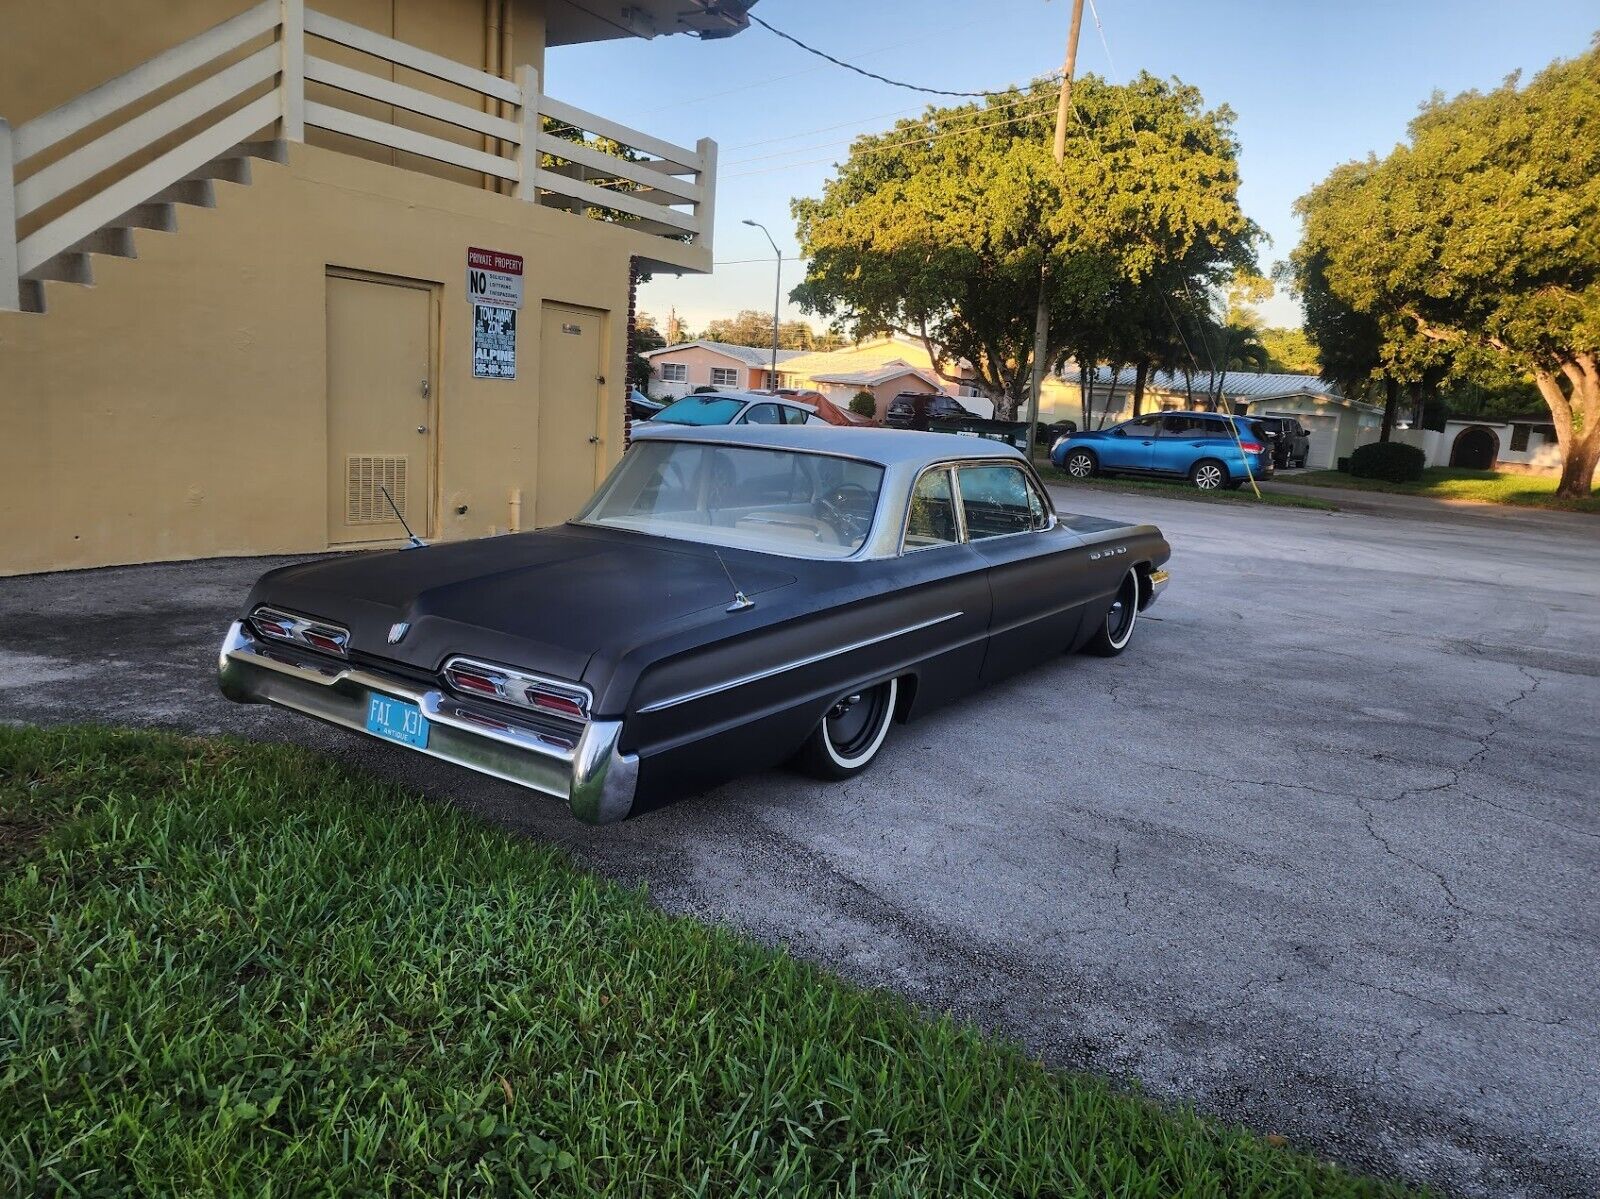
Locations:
(1210, 449)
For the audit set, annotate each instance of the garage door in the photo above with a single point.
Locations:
(1324, 437)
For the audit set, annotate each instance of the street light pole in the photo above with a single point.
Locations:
(777, 300)
(1041, 323)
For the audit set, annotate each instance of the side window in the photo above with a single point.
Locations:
(931, 519)
(1145, 426)
(794, 416)
(995, 501)
(1177, 424)
(762, 414)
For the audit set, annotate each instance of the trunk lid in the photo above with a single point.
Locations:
(544, 601)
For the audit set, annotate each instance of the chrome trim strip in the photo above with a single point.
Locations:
(811, 660)
(588, 771)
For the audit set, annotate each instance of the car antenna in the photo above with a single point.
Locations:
(741, 601)
(416, 542)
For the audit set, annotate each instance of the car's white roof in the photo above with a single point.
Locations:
(885, 447)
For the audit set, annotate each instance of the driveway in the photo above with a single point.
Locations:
(1319, 854)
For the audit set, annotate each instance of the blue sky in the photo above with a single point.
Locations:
(1313, 84)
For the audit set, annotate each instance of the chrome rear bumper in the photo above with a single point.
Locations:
(585, 768)
(1155, 585)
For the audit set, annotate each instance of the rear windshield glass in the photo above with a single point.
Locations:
(699, 410)
(780, 501)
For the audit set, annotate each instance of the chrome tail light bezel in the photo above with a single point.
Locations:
(323, 636)
(520, 689)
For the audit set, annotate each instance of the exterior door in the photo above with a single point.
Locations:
(571, 358)
(1129, 446)
(1036, 597)
(381, 402)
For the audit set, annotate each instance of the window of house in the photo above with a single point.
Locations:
(674, 372)
(724, 376)
(1519, 436)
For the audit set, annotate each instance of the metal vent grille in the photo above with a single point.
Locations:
(365, 475)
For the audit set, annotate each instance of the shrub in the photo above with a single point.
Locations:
(1343, 466)
(863, 403)
(1387, 460)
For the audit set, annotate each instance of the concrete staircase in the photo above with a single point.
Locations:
(75, 265)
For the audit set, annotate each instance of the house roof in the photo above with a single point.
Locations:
(749, 355)
(1237, 385)
(876, 375)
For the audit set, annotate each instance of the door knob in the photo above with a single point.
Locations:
(426, 389)
(422, 428)
(594, 440)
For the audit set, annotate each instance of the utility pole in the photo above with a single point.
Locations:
(1041, 321)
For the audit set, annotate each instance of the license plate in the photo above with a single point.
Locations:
(397, 720)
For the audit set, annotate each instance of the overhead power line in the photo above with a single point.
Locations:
(915, 141)
(839, 62)
(1034, 103)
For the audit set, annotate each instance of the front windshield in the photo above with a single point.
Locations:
(778, 501)
(699, 410)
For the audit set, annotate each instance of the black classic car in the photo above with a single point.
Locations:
(730, 599)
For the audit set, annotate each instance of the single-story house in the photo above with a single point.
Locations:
(883, 366)
(681, 368)
(1516, 443)
(1337, 423)
(884, 382)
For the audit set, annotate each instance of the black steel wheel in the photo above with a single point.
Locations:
(1116, 629)
(851, 733)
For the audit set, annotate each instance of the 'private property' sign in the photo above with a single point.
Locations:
(494, 278)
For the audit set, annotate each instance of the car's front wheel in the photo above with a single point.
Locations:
(851, 733)
(1081, 464)
(1116, 630)
(1208, 475)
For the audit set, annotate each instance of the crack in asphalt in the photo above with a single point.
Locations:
(1496, 718)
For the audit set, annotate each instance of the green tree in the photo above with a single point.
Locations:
(1482, 234)
(753, 328)
(1289, 351)
(941, 227)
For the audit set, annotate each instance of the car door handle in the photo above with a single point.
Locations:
(1147, 443)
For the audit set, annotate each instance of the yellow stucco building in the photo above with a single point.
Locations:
(237, 311)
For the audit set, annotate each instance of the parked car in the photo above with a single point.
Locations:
(640, 406)
(730, 599)
(736, 408)
(1291, 441)
(1047, 435)
(914, 409)
(1210, 449)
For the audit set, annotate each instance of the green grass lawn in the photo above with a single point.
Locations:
(1182, 489)
(1451, 483)
(241, 969)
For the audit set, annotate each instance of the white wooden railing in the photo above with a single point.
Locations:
(550, 152)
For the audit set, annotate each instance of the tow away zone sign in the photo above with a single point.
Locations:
(494, 278)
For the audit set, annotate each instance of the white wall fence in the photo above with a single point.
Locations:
(550, 152)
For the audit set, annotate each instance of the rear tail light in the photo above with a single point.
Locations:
(516, 687)
(1250, 447)
(279, 625)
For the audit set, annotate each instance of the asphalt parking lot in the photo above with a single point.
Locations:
(1319, 854)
